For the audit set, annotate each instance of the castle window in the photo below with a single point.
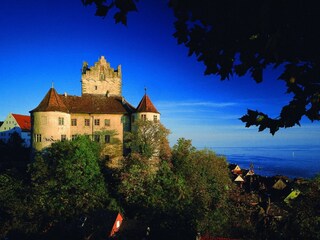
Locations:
(74, 122)
(97, 122)
(143, 117)
(96, 138)
(107, 122)
(155, 118)
(132, 118)
(95, 87)
(61, 121)
(73, 137)
(107, 138)
(87, 122)
(37, 137)
(63, 137)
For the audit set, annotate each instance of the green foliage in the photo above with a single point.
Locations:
(148, 139)
(66, 181)
(206, 176)
(13, 153)
(304, 215)
(12, 204)
(113, 148)
(181, 197)
(181, 152)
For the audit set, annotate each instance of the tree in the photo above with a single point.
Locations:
(14, 154)
(304, 221)
(207, 178)
(12, 203)
(111, 148)
(184, 196)
(149, 139)
(66, 182)
(247, 37)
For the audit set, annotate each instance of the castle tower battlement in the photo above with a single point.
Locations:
(101, 79)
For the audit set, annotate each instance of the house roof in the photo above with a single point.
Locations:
(87, 103)
(239, 179)
(250, 173)
(23, 121)
(51, 102)
(279, 185)
(146, 105)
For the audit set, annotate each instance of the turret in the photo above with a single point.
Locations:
(146, 110)
(50, 121)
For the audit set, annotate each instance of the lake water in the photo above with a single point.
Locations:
(291, 161)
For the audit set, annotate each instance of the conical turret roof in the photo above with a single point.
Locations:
(51, 102)
(146, 105)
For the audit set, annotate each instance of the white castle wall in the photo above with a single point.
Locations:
(47, 124)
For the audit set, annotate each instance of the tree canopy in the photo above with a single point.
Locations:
(67, 182)
(247, 37)
(149, 139)
(185, 195)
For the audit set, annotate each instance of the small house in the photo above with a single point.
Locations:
(236, 170)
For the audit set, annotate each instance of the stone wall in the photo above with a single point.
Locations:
(101, 79)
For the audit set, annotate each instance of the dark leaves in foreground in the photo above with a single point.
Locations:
(247, 37)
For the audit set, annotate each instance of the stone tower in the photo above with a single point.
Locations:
(101, 79)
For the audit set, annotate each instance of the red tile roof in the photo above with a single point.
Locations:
(87, 103)
(146, 105)
(51, 102)
(23, 121)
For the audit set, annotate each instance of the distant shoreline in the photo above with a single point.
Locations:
(290, 161)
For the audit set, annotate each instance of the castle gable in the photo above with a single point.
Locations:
(101, 79)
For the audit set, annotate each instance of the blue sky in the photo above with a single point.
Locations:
(46, 41)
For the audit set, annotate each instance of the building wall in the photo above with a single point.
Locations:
(147, 116)
(101, 79)
(48, 128)
(10, 126)
(109, 133)
(7, 127)
(115, 123)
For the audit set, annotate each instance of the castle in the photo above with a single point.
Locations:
(101, 111)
